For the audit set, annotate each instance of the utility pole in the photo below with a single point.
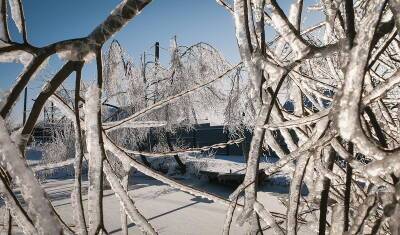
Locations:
(157, 52)
(156, 63)
(144, 78)
(155, 95)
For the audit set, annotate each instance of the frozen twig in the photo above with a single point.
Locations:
(39, 207)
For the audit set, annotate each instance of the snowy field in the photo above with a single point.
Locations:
(162, 204)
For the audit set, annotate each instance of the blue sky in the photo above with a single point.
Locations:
(191, 20)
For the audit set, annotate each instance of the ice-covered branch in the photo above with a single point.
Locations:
(187, 151)
(96, 155)
(4, 34)
(126, 201)
(84, 49)
(16, 209)
(118, 18)
(267, 217)
(287, 32)
(39, 207)
(17, 14)
(76, 195)
(133, 125)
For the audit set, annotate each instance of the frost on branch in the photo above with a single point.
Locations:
(17, 56)
(126, 201)
(16, 13)
(77, 51)
(84, 50)
(38, 206)
(95, 154)
(118, 18)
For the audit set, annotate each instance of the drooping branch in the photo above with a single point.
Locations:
(168, 100)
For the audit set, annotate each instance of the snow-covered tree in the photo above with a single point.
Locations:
(130, 87)
(338, 75)
(330, 90)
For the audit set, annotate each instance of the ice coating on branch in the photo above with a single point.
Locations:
(258, 4)
(16, 14)
(46, 87)
(17, 56)
(136, 124)
(118, 18)
(2, 43)
(44, 64)
(3, 16)
(77, 51)
(126, 202)
(92, 108)
(282, 26)
(38, 206)
(3, 98)
(267, 217)
(18, 138)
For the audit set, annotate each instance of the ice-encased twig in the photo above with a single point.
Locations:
(76, 196)
(126, 201)
(16, 210)
(95, 154)
(39, 207)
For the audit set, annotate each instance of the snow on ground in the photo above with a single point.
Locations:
(218, 163)
(168, 210)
